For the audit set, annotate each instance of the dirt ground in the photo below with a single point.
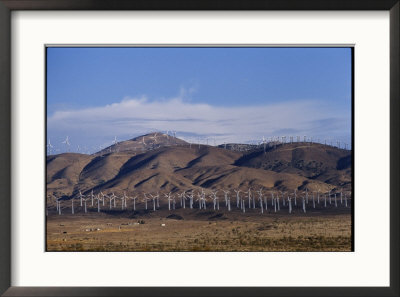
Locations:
(200, 230)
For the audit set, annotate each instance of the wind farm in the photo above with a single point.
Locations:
(157, 192)
(184, 149)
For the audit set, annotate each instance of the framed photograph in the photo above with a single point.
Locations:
(240, 150)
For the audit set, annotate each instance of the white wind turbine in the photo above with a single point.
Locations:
(290, 204)
(190, 196)
(58, 205)
(260, 197)
(313, 200)
(214, 197)
(97, 197)
(173, 202)
(264, 143)
(283, 198)
(104, 197)
(249, 196)
(154, 137)
(237, 197)
(115, 142)
(67, 144)
(272, 199)
(112, 200)
(92, 196)
(168, 196)
(227, 199)
(125, 197)
(49, 147)
(134, 202)
(81, 196)
(145, 200)
(154, 198)
(182, 197)
(226, 192)
(277, 201)
(201, 199)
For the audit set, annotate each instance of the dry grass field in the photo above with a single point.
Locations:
(206, 231)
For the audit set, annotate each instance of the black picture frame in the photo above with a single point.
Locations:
(7, 6)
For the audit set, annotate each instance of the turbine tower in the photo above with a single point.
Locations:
(49, 147)
(67, 144)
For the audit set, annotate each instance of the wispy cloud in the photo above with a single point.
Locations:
(135, 116)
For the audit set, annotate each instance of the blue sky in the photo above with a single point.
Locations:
(230, 94)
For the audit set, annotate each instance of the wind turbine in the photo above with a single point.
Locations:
(168, 196)
(134, 202)
(227, 199)
(277, 200)
(313, 200)
(154, 137)
(154, 197)
(214, 198)
(260, 196)
(98, 202)
(237, 197)
(66, 142)
(182, 198)
(249, 196)
(81, 196)
(113, 199)
(145, 200)
(92, 196)
(341, 197)
(49, 147)
(190, 196)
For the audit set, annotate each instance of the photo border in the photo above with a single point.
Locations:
(7, 6)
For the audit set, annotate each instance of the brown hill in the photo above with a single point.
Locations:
(143, 143)
(183, 167)
(314, 161)
(63, 171)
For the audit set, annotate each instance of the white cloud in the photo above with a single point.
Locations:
(136, 116)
